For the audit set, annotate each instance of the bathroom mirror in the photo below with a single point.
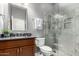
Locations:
(18, 18)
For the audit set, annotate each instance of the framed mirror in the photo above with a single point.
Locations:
(18, 18)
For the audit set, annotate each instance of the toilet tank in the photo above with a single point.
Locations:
(40, 42)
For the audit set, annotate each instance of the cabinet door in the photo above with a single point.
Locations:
(27, 51)
(8, 52)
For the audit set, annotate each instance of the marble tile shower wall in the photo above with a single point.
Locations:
(68, 40)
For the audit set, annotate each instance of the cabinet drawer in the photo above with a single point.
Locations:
(8, 52)
(16, 43)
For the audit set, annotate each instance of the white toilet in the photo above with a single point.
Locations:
(46, 50)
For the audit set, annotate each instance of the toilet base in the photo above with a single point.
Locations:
(47, 54)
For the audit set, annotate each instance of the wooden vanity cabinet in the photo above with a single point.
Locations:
(17, 47)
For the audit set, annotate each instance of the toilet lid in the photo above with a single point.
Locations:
(46, 48)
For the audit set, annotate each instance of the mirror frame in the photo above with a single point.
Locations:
(10, 5)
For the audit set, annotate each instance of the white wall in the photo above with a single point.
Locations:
(38, 10)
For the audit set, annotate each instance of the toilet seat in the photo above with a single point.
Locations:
(46, 48)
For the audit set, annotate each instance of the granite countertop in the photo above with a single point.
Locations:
(14, 38)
